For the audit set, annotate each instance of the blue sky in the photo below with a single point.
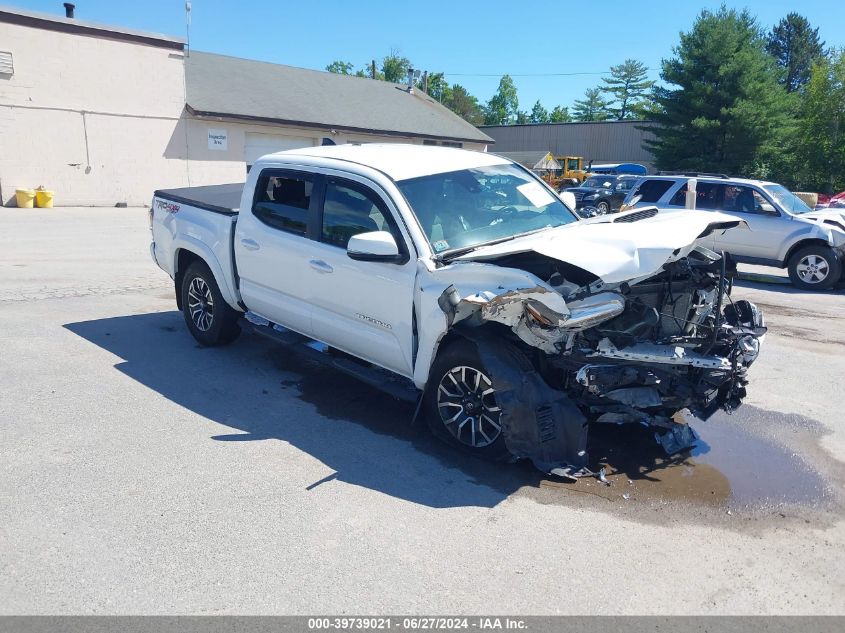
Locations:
(466, 40)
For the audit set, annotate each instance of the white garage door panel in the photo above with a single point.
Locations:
(257, 145)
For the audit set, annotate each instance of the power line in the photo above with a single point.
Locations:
(606, 72)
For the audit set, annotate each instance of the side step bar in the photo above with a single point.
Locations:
(397, 386)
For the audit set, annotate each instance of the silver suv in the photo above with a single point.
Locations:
(784, 232)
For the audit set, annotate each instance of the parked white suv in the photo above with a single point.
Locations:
(466, 278)
(784, 233)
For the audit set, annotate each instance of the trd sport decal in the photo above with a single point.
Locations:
(369, 319)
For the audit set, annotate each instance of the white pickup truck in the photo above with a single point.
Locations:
(465, 276)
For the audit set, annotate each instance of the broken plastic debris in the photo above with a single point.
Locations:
(626, 496)
(601, 477)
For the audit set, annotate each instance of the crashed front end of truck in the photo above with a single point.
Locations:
(637, 351)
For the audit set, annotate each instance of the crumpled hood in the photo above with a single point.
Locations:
(617, 251)
(836, 215)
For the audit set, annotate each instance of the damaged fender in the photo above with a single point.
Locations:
(538, 422)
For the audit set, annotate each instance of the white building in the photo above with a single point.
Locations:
(104, 115)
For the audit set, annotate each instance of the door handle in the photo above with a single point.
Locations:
(250, 245)
(320, 266)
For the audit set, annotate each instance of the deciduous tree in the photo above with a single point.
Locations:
(340, 67)
(502, 107)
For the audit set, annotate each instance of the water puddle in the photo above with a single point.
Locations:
(753, 460)
(733, 465)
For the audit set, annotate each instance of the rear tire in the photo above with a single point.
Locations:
(814, 267)
(460, 403)
(209, 318)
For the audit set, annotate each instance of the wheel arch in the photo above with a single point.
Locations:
(184, 256)
(451, 336)
(813, 241)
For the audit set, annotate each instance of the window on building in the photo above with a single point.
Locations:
(283, 202)
(7, 65)
(349, 210)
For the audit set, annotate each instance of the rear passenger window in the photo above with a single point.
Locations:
(348, 211)
(653, 190)
(708, 195)
(283, 202)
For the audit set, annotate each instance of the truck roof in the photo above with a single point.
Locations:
(399, 161)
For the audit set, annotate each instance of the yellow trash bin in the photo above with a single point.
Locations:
(25, 198)
(43, 199)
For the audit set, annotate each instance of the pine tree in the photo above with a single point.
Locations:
(724, 109)
(627, 86)
(539, 114)
(592, 107)
(560, 114)
(795, 45)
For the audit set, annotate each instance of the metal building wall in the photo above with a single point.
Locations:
(601, 142)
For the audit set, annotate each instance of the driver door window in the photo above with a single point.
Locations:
(348, 211)
(740, 199)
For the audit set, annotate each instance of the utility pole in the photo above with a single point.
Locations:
(373, 70)
(425, 82)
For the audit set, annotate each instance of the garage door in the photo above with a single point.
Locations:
(259, 144)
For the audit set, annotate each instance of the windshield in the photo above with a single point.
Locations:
(598, 182)
(470, 207)
(786, 199)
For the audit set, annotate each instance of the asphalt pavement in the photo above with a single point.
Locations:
(143, 474)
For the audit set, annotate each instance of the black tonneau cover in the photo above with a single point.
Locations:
(225, 199)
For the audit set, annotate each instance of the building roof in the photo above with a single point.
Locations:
(400, 161)
(238, 88)
(46, 21)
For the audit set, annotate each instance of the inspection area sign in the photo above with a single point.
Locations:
(218, 139)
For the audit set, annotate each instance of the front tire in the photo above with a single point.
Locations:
(460, 403)
(814, 267)
(209, 318)
(603, 207)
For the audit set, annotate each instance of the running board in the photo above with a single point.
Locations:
(382, 379)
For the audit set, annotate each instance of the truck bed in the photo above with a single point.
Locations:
(225, 199)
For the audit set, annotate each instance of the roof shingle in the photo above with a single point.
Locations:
(241, 88)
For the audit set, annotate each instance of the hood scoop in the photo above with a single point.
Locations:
(636, 216)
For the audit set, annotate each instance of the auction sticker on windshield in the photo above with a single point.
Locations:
(536, 194)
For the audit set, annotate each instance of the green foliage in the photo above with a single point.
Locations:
(795, 45)
(593, 107)
(502, 107)
(627, 87)
(394, 67)
(560, 114)
(438, 87)
(725, 110)
(539, 114)
(340, 67)
(820, 135)
(464, 105)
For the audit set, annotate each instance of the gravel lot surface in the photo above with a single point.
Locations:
(142, 474)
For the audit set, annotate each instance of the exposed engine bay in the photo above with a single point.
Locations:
(639, 351)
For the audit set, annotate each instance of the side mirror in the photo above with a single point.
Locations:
(375, 246)
(767, 208)
(568, 199)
